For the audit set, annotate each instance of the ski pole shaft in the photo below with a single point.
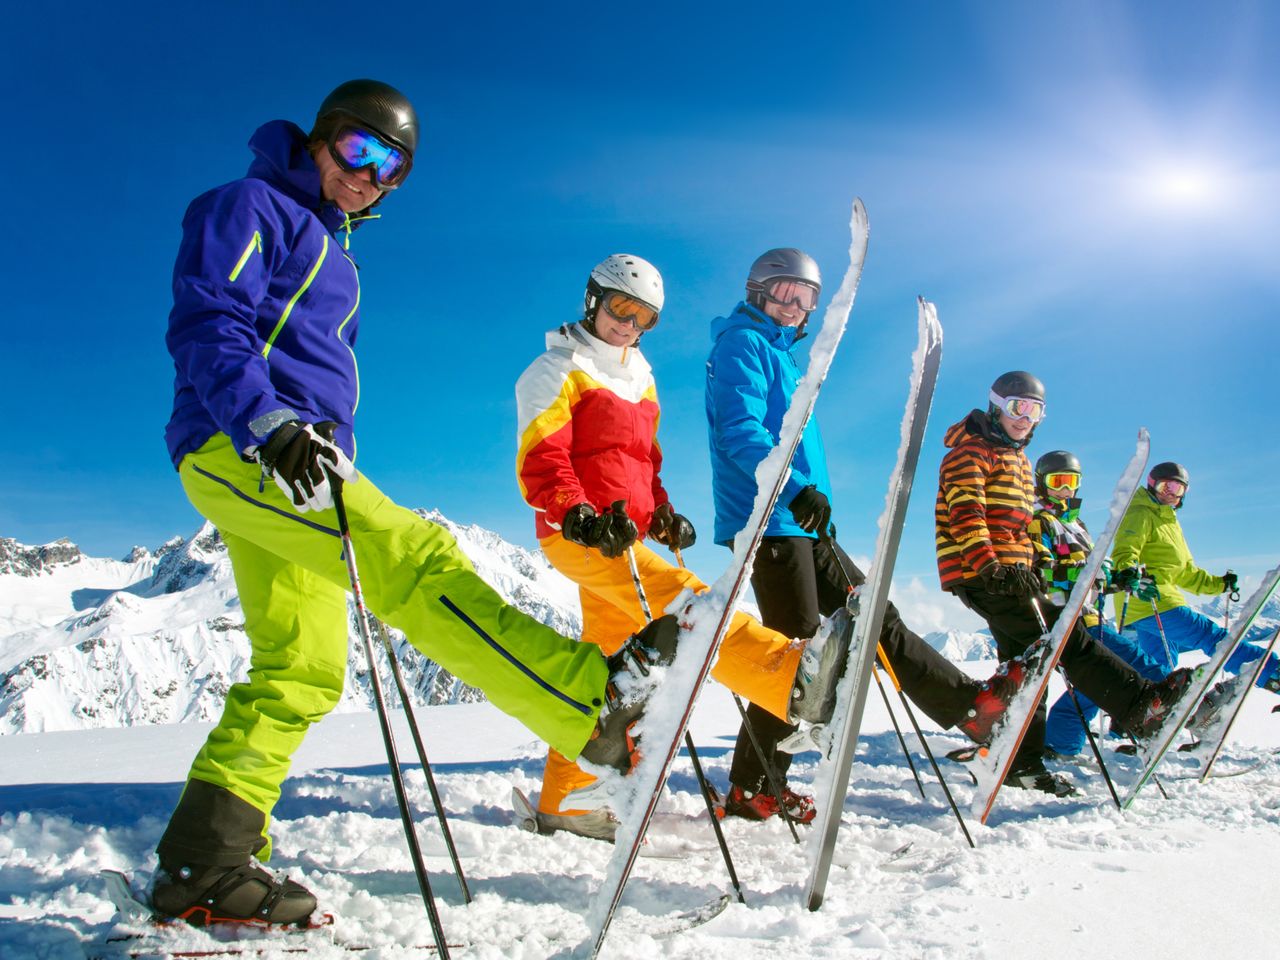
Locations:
(1168, 651)
(403, 691)
(388, 739)
(771, 776)
(688, 742)
(1071, 691)
(884, 695)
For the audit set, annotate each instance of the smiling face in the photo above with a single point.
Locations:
(350, 191)
(785, 315)
(1018, 429)
(615, 332)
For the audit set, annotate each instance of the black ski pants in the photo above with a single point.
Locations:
(1093, 669)
(798, 580)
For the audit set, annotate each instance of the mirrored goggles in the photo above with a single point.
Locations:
(1020, 408)
(1055, 481)
(786, 293)
(627, 309)
(1174, 488)
(355, 148)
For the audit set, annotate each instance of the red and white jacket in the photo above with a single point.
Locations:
(588, 415)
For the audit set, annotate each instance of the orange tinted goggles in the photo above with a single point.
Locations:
(1056, 480)
(627, 309)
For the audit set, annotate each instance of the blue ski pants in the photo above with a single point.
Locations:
(1064, 733)
(1186, 630)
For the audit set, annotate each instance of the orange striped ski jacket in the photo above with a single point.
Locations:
(985, 501)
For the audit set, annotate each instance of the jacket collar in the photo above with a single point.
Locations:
(281, 159)
(574, 338)
(749, 317)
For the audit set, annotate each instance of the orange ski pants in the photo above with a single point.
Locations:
(754, 662)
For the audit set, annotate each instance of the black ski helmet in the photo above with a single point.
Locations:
(1169, 470)
(1018, 383)
(379, 106)
(1055, 461)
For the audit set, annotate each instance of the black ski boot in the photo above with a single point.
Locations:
(201, 894)
(627, 691)
(1038, 777)
(1155, 702)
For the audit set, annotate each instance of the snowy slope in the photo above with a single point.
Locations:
(159, 638)
(1049, 879)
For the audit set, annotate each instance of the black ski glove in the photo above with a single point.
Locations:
(610, 533)
(303, 460)
(672, 529)
(812, 510)
(1231, 584)
(1010, 580)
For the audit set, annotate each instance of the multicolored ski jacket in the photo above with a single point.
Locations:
(588, 432)
(985, 496)
(1150, 534)
(1062, 545)
(265, 304)
(751, 376)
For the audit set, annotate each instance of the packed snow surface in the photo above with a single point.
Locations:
(1049, 878)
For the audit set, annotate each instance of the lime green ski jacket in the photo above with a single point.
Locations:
(1150, 534)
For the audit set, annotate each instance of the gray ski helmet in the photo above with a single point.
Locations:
(1055, 461)
(1169, 470)
(780, 263)
(626, 273)
(379, 106)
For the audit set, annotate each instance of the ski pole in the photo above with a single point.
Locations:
(902, 697)
(422, 757)
(388, 740)
(1168, 651)
(688, 742)
(770, 774)
(928, 752)
(884, 695)
(1071, 691)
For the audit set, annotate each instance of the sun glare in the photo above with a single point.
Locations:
(1183, 187)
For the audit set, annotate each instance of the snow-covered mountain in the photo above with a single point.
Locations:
(159, 637)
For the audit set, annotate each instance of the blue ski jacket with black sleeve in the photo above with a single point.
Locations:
(751, 376)
(265, 300)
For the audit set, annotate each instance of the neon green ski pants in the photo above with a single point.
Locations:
(292, 582)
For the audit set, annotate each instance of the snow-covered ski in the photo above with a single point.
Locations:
(993, 763)
(1215, 737)
(705, 619)
(832, 780)
(1202, 678)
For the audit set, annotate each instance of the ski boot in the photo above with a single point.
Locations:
(627, 691)
(201, 894)
(1210, 708)
(600, 824)
(752, 805)
(1038, 777)
(813, 695)
(1155, 703)
(993, 699)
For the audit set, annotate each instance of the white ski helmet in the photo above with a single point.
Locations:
(632, 275)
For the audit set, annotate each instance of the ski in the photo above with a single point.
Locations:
(705, 620)
(993, 762)
(1217, 734)
(1202, 678)
(831, 783)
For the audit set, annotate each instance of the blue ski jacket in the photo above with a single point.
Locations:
(265, 300)
(751, 376)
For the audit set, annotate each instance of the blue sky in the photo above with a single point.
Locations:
(1086, 190)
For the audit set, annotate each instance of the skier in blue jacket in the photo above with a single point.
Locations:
(800, 573)
(262, 334)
